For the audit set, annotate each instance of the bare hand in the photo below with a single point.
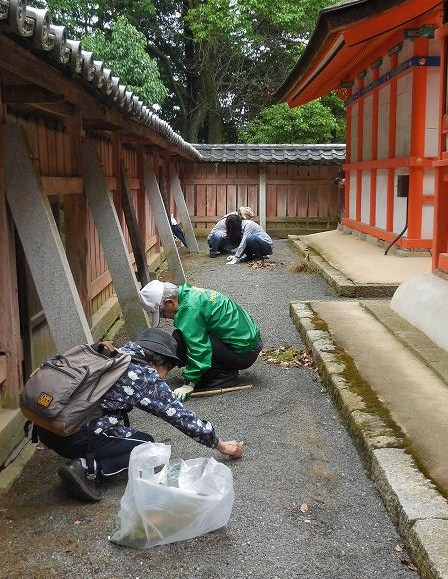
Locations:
(230, 448)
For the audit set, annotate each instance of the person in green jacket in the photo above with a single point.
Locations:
(216, 337)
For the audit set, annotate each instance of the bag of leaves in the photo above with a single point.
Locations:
(182, 500)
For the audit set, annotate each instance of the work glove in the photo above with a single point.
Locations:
(232, 260)
(183, 392)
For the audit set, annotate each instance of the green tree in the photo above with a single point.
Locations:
(124, 50)
(310, 123)
(222, 60)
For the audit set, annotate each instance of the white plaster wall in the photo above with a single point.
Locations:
(385, 65)
(352, 211)
(427, 222)
(406, 52)
(369, 77)
(404, 112)
(399, 205)
(383, 122)
(365, 197)
(421, 300)
(381, 199)
(367, 129)
(354, 135)
(432, 112)
(433, 47)
(429, 183)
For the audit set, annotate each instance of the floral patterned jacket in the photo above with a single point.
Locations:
(141, 387)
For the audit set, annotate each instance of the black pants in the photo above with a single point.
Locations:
(224, 359)
(111, 452)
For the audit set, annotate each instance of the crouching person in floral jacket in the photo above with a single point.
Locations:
(110, 439)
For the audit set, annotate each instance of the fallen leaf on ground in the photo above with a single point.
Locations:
(288, 357)
(70, 547)
(260, 264)
(399, 548)
(408, 563)
(304, 508)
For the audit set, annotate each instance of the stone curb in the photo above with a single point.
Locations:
(340, 283)
(413, 503)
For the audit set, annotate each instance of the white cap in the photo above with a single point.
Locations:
(151, 297)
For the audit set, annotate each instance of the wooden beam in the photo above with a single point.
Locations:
(60, 109)
(100, 125)
(138, 248)
(41, 243)
(184, 216)
(75, 213)
(29, 94)
(262, 195)
(162, 223)
(63, 185)
(113, 243)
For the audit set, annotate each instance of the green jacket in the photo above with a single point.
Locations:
(202, 312)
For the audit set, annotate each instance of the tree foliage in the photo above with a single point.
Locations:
(221, 60)
(124, 50)
(310, 123)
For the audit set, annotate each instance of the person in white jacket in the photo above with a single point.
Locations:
(255, 243)
(218, 240)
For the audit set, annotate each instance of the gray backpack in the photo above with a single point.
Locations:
(65, 392)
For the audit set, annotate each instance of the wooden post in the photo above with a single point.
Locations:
(348, 159)
(262, 195)
(113, 243)
(392, 146)
(131, 221)
(75, 214)
(417, 148)
(374, 148)
(360, 147)
(163, 225)
(10, 340)
(179, 199)
(42, 244)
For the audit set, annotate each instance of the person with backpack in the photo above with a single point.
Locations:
(101, 449)
(215, 336)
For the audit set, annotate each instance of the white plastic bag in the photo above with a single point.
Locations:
(184, 500)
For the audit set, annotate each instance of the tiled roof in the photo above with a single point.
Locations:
(332, 21)
(51, 42)
(307, 154)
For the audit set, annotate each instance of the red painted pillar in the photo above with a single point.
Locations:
(348, 159)
(391, 146)
(417, 150)
(374, 147)
(360, 152)
(440, 240)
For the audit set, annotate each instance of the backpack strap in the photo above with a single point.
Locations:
(90, 455)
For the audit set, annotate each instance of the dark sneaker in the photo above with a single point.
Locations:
(74, 475)
(214, 253)
(224, 380)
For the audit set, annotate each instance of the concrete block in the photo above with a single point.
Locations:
(11, 431)
(9, 474)
(427, 542)
(408, 495)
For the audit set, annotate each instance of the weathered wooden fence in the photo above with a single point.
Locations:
(294, 197)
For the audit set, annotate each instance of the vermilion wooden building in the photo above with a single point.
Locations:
(388, 61)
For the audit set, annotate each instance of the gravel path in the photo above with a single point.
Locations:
(297, 453)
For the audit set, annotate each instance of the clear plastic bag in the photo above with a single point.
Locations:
(183, 500)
